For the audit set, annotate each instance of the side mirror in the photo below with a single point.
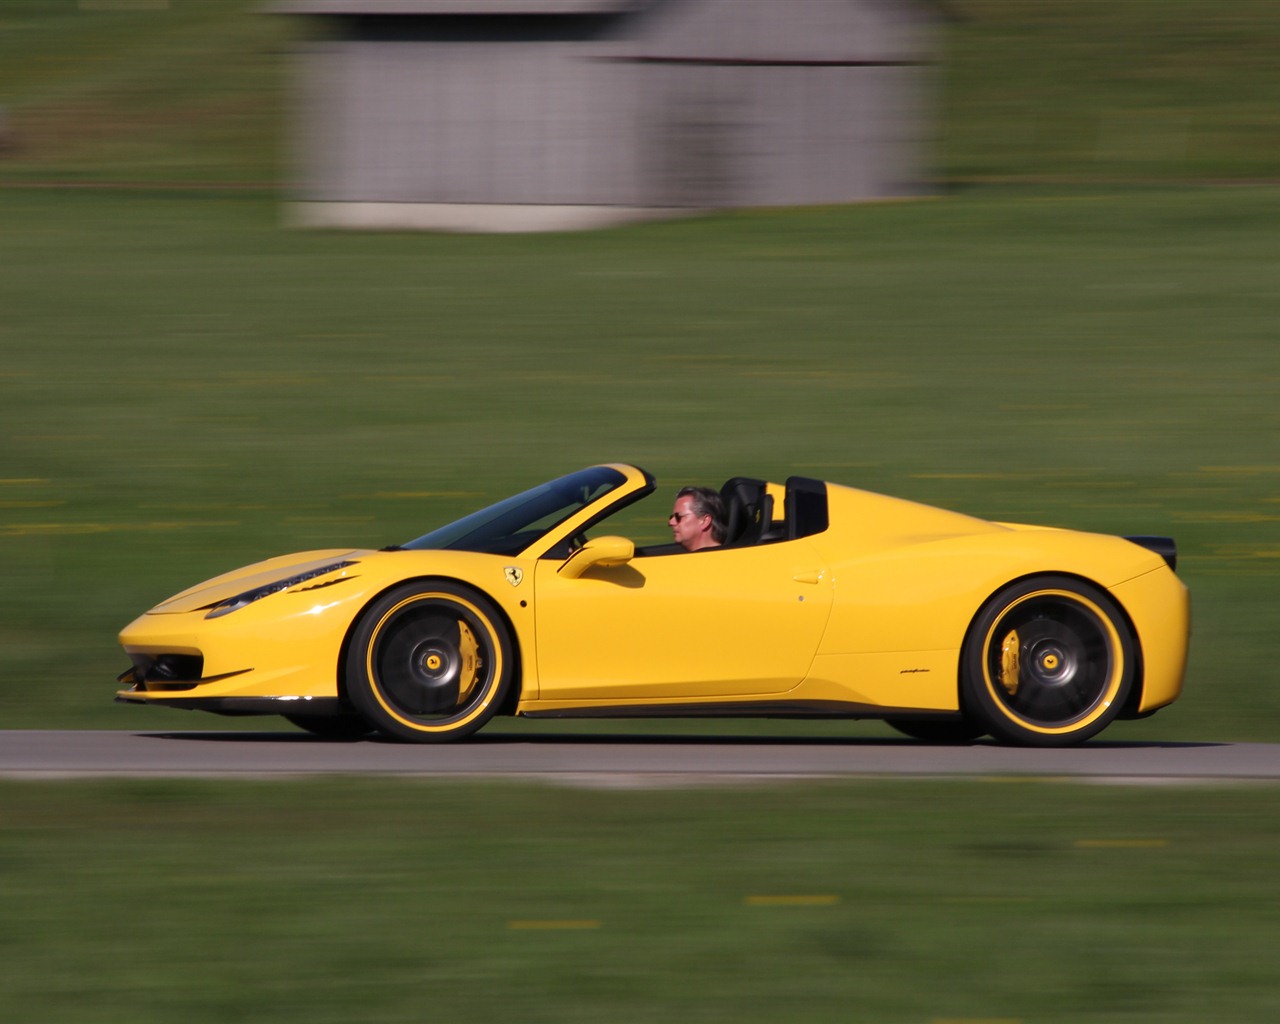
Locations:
(605, 552)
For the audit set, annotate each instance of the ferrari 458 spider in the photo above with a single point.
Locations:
(824, 600)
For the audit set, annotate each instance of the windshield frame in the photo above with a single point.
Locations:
(525, 521)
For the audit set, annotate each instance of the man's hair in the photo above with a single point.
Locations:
(707, 502)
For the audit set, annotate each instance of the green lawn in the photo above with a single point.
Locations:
(1111, 90)
(187, 387)
(396, 900)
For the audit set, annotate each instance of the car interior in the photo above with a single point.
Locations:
(752, 517)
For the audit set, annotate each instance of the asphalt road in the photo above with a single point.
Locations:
(613, 761)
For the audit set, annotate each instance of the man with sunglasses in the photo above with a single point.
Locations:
(698, 519)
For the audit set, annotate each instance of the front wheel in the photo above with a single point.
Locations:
(429, 662)
(1048, 662)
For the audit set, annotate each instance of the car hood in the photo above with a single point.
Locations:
(228, 585)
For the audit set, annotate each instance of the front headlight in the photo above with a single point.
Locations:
(233, 604)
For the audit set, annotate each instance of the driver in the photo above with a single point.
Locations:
(698, 519)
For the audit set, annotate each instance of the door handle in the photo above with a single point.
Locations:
(813, 577)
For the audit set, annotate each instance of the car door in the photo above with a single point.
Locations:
(716, 623)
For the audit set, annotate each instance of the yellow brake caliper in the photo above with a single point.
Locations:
(1011, 662)
(469, 670)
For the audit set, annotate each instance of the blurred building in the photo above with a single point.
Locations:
(513, 115)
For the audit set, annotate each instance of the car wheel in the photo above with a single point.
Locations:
(1048, 662)
(938, 730)
(332, 727)
(429, 662)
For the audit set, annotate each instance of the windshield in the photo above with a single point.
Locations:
(510, 526)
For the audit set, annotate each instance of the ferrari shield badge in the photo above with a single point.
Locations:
(514, 575)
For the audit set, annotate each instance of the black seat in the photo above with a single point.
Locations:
(806, 507)
(748, 509)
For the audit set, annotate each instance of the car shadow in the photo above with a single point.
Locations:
(499, 738)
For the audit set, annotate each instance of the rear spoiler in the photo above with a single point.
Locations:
(1162, 546)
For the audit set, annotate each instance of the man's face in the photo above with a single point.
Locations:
(688, 529)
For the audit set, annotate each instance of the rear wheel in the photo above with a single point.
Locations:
(429, 662)
(1048, 662)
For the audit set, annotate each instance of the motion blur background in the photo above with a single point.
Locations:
(1074, 322)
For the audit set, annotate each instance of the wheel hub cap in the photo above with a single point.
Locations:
(435, 663)
(1052, 665)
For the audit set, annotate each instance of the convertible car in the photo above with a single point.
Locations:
(823, 600)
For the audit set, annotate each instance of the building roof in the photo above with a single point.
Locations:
(778, 32)
(453, 7)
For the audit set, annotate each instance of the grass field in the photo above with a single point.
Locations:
(188, 388)
(1099, 90)
(882, 902)
(185, 387)
(1061, 90)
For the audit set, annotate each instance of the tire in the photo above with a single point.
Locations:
(1048, 662)
(938, 730)
(429, 662)
(332, 727)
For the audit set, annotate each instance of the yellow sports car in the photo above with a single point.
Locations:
(822, 600)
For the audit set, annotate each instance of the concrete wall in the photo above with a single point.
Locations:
(610, 113)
